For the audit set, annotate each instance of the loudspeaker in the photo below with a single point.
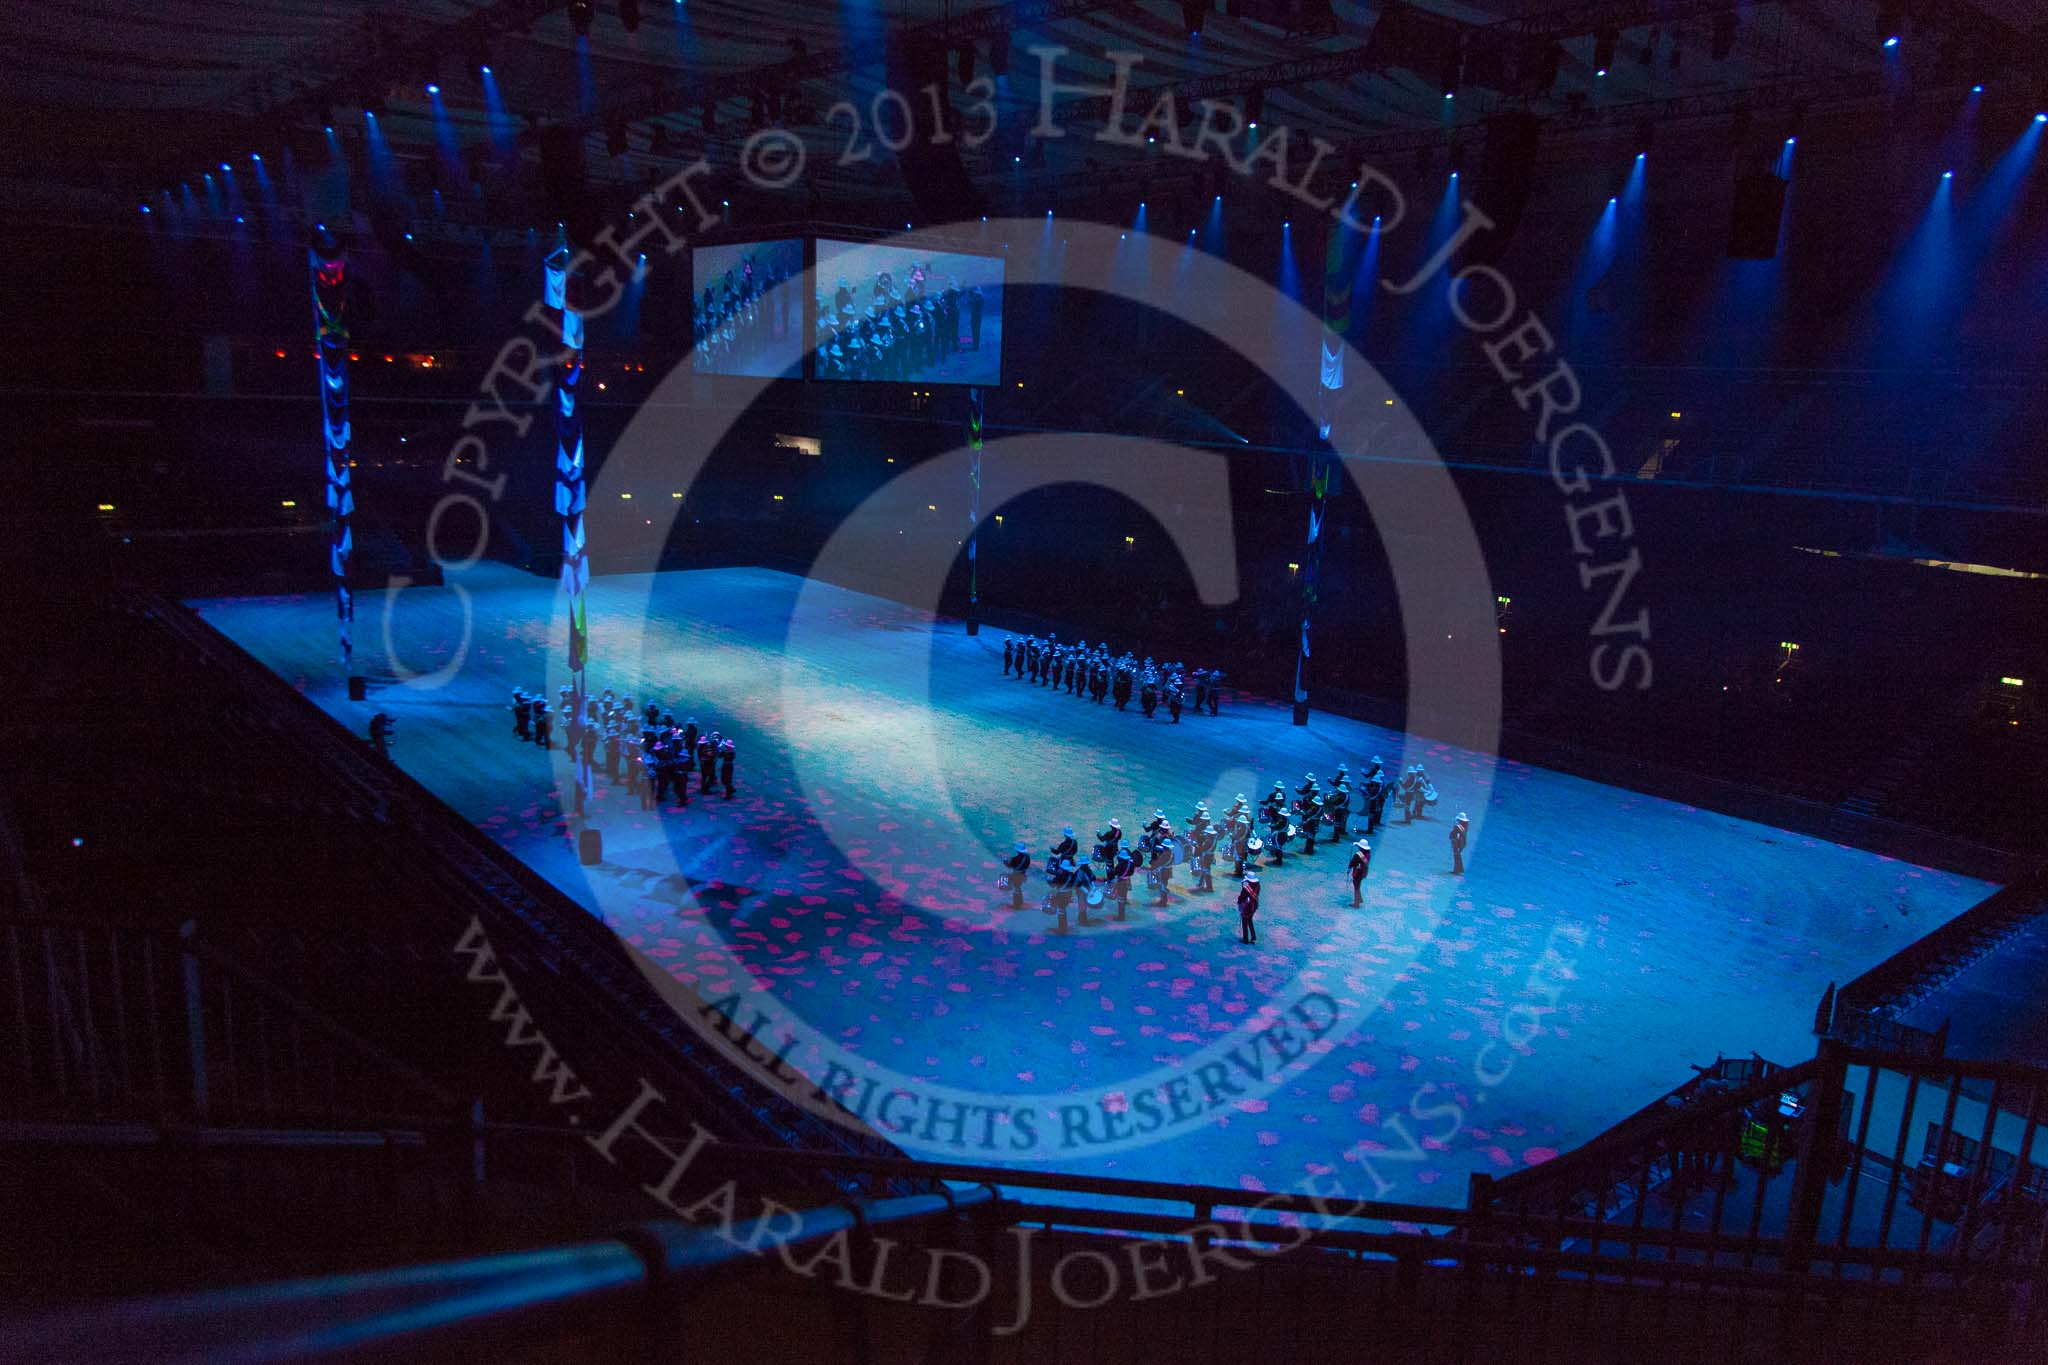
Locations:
(932, 170)
(1507, 177)
(564, 190)
(590, 847)
(1753, 226)
(358, 687)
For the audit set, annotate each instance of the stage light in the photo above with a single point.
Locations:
(224, 166)
(1723, 36)
(255, 158)
(288, 502)
(1892, 41)
(106, 507)
(1790, 140)
(1603, 51)
(433, 88)
(143, 207)
(484, 70)
(1452, 94)
(1676, 415)
(1976, 89)
(2041, 118)
(239, 218)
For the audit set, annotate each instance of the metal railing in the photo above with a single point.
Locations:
(113, 1020)
(1445, 1283)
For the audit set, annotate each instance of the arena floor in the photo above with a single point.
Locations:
(840, 876)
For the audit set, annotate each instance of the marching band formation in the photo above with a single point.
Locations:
(896, 329)
(734, 323)
(1091, 672)
(643, 749)
(1244, 835)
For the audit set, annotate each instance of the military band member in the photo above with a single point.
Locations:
(1248, 908)
(1108, 842)
(1018, 866)
(643, 778)
(1311, 821)
(1203, 839)
(522, 714)
(1121, 871)
(1059, 877)
(1337, 807)
(1122, 689)
(1067, 846)
(543, 724)
(1248, 855)
(1278, 832)
(1461, 828)
(1161, 870)
(1375, 792)
(1173, 697)
(1009, 656)
(1361, 863)
(725, 757)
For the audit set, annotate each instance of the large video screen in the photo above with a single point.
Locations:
(908, 313)
(743, 326)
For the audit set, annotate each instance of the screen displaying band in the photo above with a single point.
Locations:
(908, 313)
(743, 326)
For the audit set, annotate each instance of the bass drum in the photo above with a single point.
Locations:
(1179, 847)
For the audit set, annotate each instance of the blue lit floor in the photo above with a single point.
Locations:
(1688, 932)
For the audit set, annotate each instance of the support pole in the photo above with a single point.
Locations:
(563, 296)
(329, 264)
(974, 420)
(1322, 458)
